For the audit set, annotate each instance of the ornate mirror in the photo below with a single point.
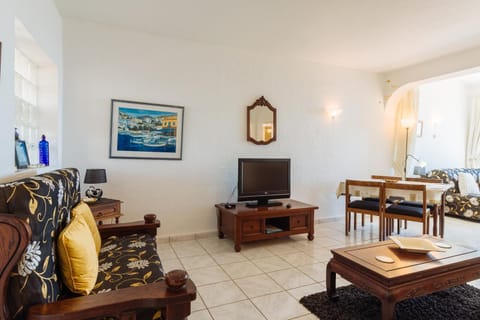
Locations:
(261, 122)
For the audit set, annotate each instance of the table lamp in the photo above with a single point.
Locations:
(95, 176)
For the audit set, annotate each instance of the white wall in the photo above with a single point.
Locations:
(216, 85)
(42, 20)
(443, 110)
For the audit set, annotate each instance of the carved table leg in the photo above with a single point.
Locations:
(221, 235)
(388, 310)
(237, 247)
(331, 282)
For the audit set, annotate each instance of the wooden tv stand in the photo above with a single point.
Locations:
(244, 224)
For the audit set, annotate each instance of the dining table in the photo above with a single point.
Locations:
(435, 195)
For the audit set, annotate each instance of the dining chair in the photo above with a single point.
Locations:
(363, 206)
(404, 212)
(389, 200)
(434, 210)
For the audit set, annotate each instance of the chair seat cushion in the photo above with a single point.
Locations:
(366, 205)
(128, 261)
(417, 204)
(405, 210)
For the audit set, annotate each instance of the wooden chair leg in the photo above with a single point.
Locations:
(435, 220)
(371, 218)
(399, 222)
(405, 223)
(363, 220)
(354, 221)
(347, 222)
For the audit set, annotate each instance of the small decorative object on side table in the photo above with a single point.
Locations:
(105, 208)
(95, 176)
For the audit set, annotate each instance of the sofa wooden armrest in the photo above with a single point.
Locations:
(149, 226)
(120, 303)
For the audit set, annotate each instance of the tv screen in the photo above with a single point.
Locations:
(261, 180)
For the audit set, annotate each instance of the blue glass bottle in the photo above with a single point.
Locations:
(43, 151)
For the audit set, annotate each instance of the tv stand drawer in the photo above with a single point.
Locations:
(299, 221)
(250, 227)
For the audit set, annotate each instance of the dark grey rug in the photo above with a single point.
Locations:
(462, 302)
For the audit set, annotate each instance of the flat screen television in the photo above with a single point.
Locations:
(261, 180)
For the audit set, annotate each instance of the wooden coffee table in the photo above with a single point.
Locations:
(410, 275)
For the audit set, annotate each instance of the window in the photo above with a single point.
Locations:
(27, 110)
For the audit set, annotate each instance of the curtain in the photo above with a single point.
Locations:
(407, 108)
(473, 135)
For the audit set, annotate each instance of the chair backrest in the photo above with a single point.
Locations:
(407, 190)
(428, 180)
(370, 188)
(387, 178)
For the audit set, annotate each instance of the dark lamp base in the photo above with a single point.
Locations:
(93, 192)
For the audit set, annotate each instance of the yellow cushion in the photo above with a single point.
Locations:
(84, 210)
(78, 256)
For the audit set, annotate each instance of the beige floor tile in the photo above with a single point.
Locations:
(197, 262)
(282, 248)
(171, 264)
(220, 293)
(228, 257)
(298, 259)
(316, 271)
(241, 269)
(200, 315)
(279, 306)
(300, 292)
(189, 250)
(319, 254)
(258, 285)
(243, 310)
(271, 264)
(215, 245)
(290, 278)
(208, 275)
(256, 253)
(198, 304)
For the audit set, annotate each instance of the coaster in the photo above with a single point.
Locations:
(384, 259)
(443, 245)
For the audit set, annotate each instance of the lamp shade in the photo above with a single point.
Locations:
(95, 176)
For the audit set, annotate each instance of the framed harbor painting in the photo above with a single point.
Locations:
(141, 130)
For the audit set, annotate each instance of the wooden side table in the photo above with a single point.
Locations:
(105, 208)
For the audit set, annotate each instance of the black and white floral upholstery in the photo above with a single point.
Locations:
(44, 201)
(127, 262)
(457, 205)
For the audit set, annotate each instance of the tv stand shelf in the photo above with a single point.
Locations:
(244, 224)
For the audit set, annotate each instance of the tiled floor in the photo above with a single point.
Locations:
(267, 278)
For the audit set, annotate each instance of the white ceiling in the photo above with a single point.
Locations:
(373, 35)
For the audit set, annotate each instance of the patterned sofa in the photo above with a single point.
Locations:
(130, 282)
(456, 205)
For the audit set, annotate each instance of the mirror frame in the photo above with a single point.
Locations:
(262, 102)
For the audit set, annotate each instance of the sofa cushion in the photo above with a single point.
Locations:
(82, 209)
(44, 201)
(127, 261)
(78, 256)
(467, 184)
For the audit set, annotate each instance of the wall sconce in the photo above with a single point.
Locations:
(334, 113)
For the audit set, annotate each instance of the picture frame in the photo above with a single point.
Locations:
(21, 155)
(143, 130)
(419, 129)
